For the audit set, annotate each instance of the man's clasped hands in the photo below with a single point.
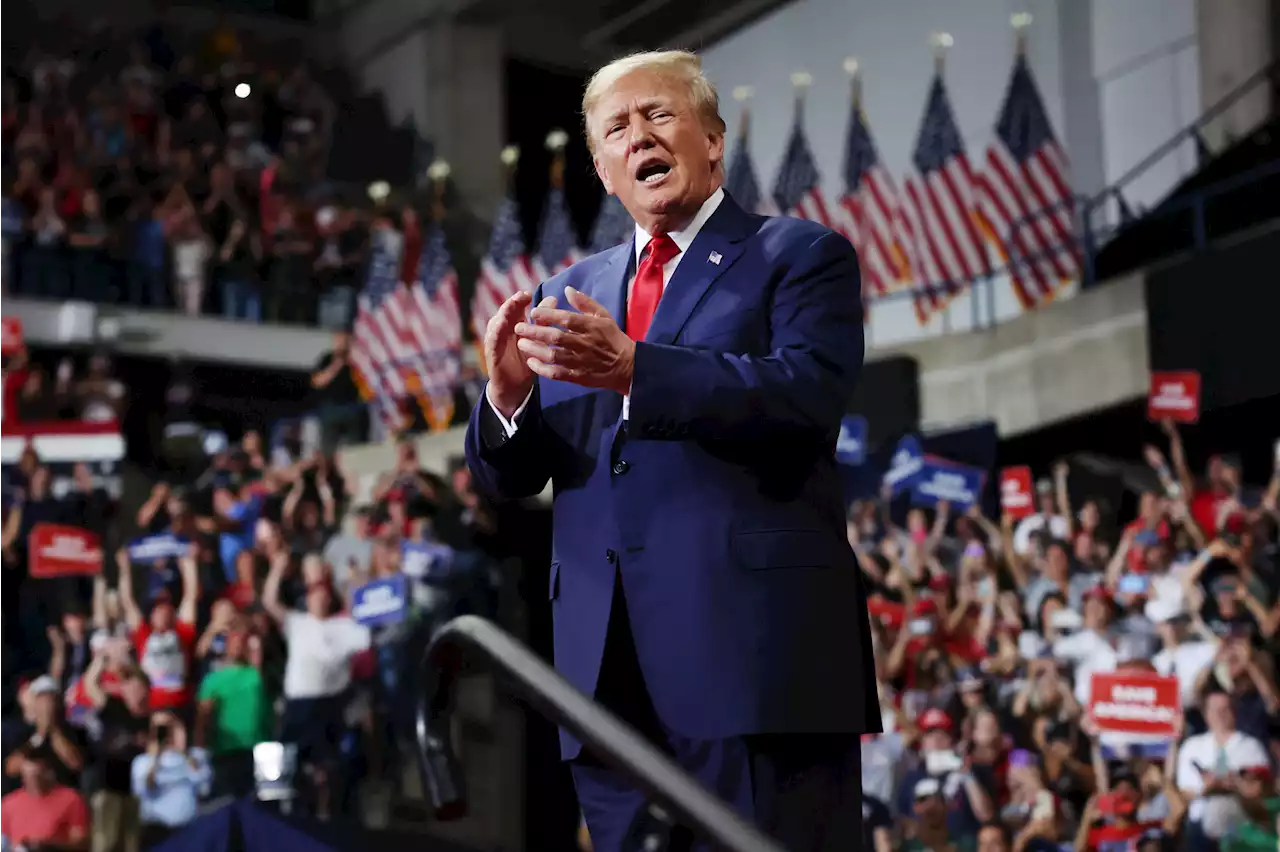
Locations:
(583, 345)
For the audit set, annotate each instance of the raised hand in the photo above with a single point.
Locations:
(586, 348)
(510, 378)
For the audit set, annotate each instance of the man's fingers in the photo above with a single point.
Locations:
(545, 333)
(541, 351)
(552, 371)
(571, 320)
(585, 303)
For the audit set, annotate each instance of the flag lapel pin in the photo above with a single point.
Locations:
(715, 257)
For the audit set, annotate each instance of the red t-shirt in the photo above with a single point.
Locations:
(77, 697)
(51, 818)
(1204, 509)
(1117, 838)
(13, 382)
(166, 658)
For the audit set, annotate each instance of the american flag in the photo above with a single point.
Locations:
(872, 210)
(797, 190)
(740, 182)
(613, 225)
(1025, 181)
(557, 239)
(405, 338)
(505, 269)
(940, 209)
(437, 326)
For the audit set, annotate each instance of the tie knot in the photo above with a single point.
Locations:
(661, 248)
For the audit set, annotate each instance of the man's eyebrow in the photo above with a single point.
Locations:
(644, 106)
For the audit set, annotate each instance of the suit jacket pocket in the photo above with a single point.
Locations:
(553, 582)
(738, 327)
(763, 550)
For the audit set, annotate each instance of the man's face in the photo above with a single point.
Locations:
(991, 839)
(1218, 713)
(36, 775)
(652, 150)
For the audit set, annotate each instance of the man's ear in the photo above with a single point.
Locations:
(603, 175)
(715, 147)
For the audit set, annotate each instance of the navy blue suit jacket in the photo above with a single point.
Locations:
(718, 501)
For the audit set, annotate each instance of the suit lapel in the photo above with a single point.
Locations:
(609, 286)
(713, 251)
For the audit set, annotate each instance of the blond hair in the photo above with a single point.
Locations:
(681, 66)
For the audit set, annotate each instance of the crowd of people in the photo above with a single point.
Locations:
(222, 620)
(989, 634)
(148, 171)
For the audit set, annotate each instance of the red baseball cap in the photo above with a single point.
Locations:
(934, 719)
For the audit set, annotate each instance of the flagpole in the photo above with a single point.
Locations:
(437, 407)
(853, 69)
(801, 81)
(742, 94)
(509, 157)
(556, 141)
(941, 41)
(1020, 21)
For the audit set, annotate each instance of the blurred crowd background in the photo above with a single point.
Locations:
(211, 569)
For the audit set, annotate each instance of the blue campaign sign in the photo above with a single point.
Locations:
(381, 602)
(151, 548)
(420, 559)
(906, 465)
(940, 479)
(851, 446)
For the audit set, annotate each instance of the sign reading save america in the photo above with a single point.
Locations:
(62, 551)
(1174, 396)
(1134, 704)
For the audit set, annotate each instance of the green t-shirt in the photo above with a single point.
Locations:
(1251, 837)
(240, 708)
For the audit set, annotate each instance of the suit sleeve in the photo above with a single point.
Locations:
(800, 390)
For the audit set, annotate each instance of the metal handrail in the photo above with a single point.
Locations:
(1270, 71)
(669, 788)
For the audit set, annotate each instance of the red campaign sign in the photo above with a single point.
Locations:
(62, 551)
(1129, 702)
(1016, 496)
(1174, 396)
(10, 335)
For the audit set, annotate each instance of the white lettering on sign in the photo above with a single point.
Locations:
(952, 487)
(71, 548)
(1012, 496)
(1134, 694)
(1172, 395)
(904, 464)
(380, 601)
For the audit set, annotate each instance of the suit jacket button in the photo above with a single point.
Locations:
(620, 468)
(611, 556)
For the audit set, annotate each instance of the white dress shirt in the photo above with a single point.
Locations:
(683, 238)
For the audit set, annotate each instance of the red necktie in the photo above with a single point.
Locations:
(647, 289)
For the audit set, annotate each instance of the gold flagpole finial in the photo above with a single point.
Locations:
(854, 70)
(556, 141)
(1020, 22)
(941, 43)
(742, 94)
(438, 173)
(510, 156)
(801, 81)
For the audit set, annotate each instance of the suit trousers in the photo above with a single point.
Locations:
(804, 790)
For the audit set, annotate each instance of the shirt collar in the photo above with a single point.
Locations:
(684, 237)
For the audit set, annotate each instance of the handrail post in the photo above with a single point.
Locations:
(671, 790)
(1199, 233)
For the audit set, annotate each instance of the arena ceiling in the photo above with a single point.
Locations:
(579, 34)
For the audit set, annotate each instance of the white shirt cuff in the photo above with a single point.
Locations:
(509, 426)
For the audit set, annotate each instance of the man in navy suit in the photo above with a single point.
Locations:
(682, 393)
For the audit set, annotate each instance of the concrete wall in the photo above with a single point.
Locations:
(1059, 362)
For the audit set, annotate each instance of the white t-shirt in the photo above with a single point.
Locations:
(1186, 662)
(320, 652)
(1240, 751)
(1028, 526)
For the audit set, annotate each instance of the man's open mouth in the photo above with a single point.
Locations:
(652, 172)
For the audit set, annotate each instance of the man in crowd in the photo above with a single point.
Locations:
(44, 814)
